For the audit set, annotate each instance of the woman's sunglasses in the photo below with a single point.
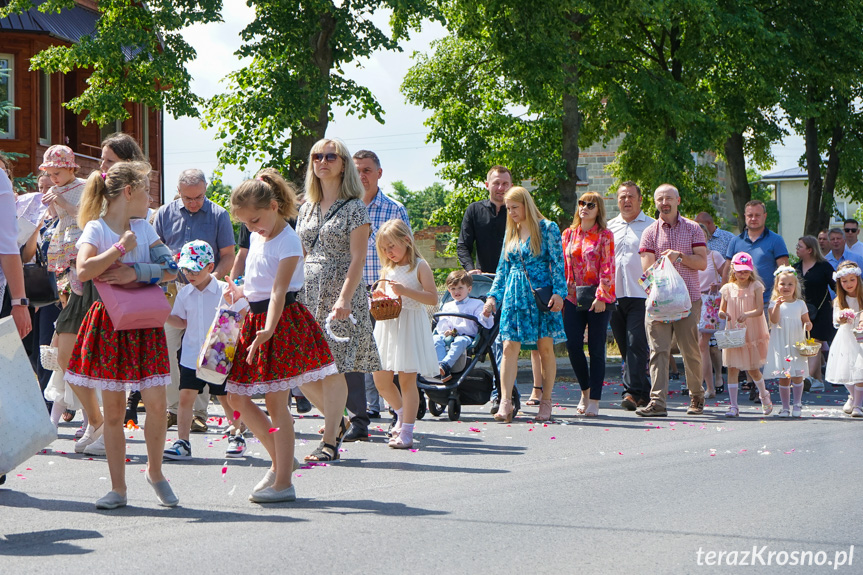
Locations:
(330, 158)
(590, 205)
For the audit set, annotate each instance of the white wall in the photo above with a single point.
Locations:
(791, 200)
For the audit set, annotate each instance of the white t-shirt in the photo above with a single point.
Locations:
(262, 263)
(198, 308)
(97, 233)
(8, 224)
(857, 248)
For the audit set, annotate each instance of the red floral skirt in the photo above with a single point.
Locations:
(117, 360)
(296, 354)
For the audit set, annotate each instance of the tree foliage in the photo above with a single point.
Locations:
(421, 204)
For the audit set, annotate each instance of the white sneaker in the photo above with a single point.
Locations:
(817, 385)
(89, 437)
(797, 410)
(97, 447)
(784, 413)
(857, 412)
(849, 405)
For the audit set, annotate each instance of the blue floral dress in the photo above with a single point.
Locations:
(520, 319)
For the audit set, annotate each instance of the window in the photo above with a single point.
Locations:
(44, 109)
(7, 94)
(839, 213)
(110, 128)
(581, 174)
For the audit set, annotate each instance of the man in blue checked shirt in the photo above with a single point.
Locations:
(362, 394)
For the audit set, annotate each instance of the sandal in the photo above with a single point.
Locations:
(324, 452)
(582, 404)
(68, 415)
(343, 430)
(534, 401)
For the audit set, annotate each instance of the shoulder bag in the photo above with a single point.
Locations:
(541, 295)
(40, 285)
(331, 216)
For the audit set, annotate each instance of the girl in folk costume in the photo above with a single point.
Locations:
(122, 248)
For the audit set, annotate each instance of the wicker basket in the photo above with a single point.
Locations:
(48, 357)
(730, 338)
(384, 308)
(808, 349)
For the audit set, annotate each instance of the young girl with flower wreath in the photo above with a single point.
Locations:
(281, 346)
(789, 319)
(845, 363)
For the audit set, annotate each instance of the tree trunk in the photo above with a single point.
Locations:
(829, 186)
(814, 220)
(571, 121)
(738, 184)
(313, 129)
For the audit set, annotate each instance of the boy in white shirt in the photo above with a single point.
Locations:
(453, 335)
(194, 310)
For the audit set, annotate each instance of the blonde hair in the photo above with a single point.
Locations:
(600, 210)
(102, 189)
(268, 186)
(396, 231)
(532, 217)
(352, 186)
(841, 295)
(753, 276)
(798, 289)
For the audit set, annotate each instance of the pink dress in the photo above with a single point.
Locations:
(753, 355)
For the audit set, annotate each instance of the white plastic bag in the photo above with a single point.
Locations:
(668, 299)
(25, 427)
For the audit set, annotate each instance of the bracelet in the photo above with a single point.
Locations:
(120, 249)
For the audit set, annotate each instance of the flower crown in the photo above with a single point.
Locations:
(785, 270)
(846, 272)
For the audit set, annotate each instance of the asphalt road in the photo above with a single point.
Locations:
(612, 494)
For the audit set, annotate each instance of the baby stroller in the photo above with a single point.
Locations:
(470, 385)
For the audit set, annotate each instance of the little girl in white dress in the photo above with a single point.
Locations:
(789, 319)
(845, 362)
(405, 343)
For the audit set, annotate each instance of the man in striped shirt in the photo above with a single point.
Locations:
(682, 241)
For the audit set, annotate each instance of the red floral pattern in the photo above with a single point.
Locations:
(589, 261)
(296, 354)
(117, 360)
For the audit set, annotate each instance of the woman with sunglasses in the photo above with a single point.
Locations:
(588, 250)
(334, 227)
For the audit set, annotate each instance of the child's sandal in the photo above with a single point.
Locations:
(533, 402)
(324, 452)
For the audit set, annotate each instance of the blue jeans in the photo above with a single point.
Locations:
(457, 346)
(574, 322)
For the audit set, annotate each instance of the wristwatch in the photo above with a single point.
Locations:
(679, 259)
(23, 301)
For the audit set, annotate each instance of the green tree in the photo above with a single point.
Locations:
(421, 205)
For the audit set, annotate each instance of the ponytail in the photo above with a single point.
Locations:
(102, 189)
(268, 186)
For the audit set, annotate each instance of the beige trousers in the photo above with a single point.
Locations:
(659, 339)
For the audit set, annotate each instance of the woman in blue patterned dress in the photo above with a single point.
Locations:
(532, 256)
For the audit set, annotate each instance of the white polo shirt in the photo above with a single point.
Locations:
(627, 260)
(198, 308)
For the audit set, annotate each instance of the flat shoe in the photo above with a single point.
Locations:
(112, 500)
(268, 480)
(270, 495)
(164, 492)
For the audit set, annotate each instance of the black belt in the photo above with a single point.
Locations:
(263, 305)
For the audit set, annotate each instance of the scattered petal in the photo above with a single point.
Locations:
(236, 415)
(274, 429)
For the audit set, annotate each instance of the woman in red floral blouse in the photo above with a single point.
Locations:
(588, 253)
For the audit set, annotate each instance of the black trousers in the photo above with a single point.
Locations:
(627, 326)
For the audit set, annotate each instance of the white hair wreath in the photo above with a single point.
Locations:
(785, 270)
(846, 272)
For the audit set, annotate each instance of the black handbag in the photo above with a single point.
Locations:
(40, 285)
(541, 295)
(584, 296)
